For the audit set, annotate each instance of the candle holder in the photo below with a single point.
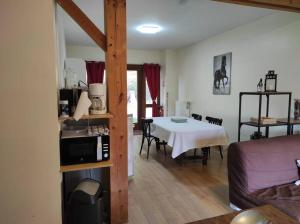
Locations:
(271, 82)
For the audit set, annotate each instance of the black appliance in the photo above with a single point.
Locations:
(85, 149)
(72, 96)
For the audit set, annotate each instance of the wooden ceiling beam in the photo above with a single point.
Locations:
(283, 5)
(84, 22)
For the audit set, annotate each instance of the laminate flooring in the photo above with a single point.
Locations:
(165, 191)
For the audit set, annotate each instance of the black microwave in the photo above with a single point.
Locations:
(87, 149)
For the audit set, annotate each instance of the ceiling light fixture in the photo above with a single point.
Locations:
(149, 28)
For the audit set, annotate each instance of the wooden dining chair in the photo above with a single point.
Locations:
(146, 134)
(216, 121)
(197, 117)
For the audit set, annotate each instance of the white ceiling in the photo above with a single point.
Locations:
(184, 22)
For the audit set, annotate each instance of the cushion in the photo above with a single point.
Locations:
(284, 197)
(265, 163)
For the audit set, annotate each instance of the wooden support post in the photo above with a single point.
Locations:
(116, 68)
(84, 22)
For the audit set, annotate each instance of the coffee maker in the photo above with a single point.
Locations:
(97, 94)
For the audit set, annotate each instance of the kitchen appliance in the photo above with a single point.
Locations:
(76, 149)
(64, 108)
(97, 94)
(72, 96)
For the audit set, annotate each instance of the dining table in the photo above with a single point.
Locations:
(188, 134)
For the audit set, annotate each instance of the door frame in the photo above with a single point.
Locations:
(141, 91)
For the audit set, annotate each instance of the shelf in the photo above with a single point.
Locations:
(255, 124)
(85, 166)
(87, 117)
(292, 120)
(265, 93)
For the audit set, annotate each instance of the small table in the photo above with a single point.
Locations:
(270, 212)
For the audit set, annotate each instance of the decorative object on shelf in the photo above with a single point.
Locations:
(250, 217)
(97, 93)
(260, 86)
(264, 120)
(271, 81)
(64, 108)
(297, 109)
(222, 74)
(256, 135)
(83, 106)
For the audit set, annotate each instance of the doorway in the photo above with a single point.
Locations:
(139, 101)
(132, 93)
(136, 94)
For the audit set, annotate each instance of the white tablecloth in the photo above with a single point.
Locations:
(185, 136)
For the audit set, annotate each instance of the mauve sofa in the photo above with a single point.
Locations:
(264, 172)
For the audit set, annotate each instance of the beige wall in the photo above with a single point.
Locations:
(271, 43)
(29, 161)
(133, 56)
(170, 82)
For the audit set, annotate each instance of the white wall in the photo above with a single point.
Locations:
(167, 60)
(29, 146)
(170, 85)
(271, 43)
(61, 45)
(95, 53)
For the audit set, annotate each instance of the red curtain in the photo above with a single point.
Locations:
(152, 73)
(95, 71)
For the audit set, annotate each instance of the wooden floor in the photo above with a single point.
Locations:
(163, 191)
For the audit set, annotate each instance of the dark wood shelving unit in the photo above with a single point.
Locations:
(254, 124)
(87, 117)
(258, 125)
(85, 166)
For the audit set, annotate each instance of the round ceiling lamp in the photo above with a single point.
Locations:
(149, 28)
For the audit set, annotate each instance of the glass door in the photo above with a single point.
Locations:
(149, 100)
(136, 94)
(132, 95)
(139, 102)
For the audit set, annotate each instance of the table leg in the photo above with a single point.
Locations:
(205, 155)
(157, 144)
(182, 157)
(179, 159)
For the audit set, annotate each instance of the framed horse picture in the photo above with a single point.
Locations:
(222, 74)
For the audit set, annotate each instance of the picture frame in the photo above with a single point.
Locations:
(222, 74)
